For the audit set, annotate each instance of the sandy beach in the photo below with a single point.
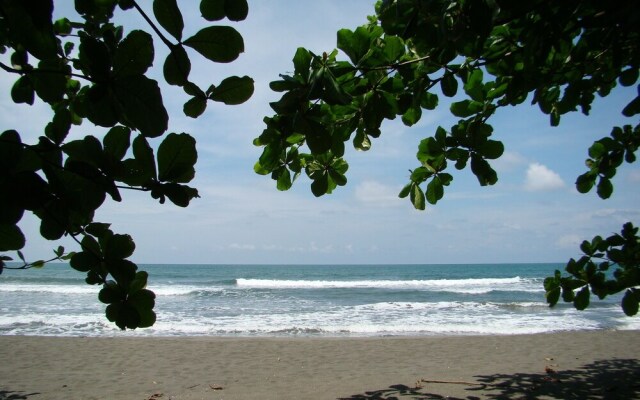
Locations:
(578, 365)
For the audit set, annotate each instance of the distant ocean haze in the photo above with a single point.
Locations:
(308, 300)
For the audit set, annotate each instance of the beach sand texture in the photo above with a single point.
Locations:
(570, 365)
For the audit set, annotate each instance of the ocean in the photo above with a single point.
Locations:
(309, 301)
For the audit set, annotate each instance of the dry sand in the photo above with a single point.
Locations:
(579, 365)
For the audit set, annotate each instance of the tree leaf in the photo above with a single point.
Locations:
(233, 90)
(11, 237)
(435, 190)
(194, 107)
(143, 154)
(605, 188)
(417, 197)
(221, 44)
(212, 10)
(581, 301)
(119, 247)
(177, 157)
(449, 85)
(23, 91)
(169, 16)
(142, 104)
(630, 302)
(177, 67)
(236, 10)
(134, 54)
(117, 141)
(180, 195)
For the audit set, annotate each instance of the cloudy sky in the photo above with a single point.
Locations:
(533, 214)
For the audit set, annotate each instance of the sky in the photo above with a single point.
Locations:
(533, 214)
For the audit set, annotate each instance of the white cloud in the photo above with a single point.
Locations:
(509, 161)
(377, 194)
(569, 241)
(540, 178)
(634, 176)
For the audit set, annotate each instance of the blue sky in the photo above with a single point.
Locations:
(533, 214)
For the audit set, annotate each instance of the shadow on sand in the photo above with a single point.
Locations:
(11, 395)
(600, 380)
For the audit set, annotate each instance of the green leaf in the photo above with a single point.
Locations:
(195, 107)
(177, 67)
(233, 90)
(474, 86)
(23, 91)
(466, 108)
(212, 10)
(581, 300)
(83, 261)
(361, 140)
(630, 302)
(169, 16)
(221, 44)
(177, 157)
(605, 188)
(585, 182)
(52, 85)
(142, 105)
(117, 141)
(412, 116)
(491, 149)
(302, 62)
(632, 108)
(320, 186)
(97, 229)
(236, 10)
(110, 294)
(483, 171)
(429, 101)
(58, 129)
(143, 154)
(629, 76)
(284, 179)
(134, 55)
(417, 197)
(11, 238)
(405, 191)
(449, 85)
(435, 190)
(119, 247)
(180, 195)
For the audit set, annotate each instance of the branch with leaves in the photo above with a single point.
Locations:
(94, 70)
(493, 54)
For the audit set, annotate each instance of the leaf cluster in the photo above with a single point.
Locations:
(94, 70)
(608, 266)
(493, 54)
(485, 55)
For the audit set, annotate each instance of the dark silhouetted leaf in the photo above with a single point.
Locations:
(169, 16)
(177, 157)
(217, 43)
(177, 67)
(142, 104)
(233, 90)
(134, 55)
(11, 237)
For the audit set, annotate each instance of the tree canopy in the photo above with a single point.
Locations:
(484, 55)
(487, 55)
(88, 68)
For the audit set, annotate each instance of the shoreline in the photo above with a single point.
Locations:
(555, 365)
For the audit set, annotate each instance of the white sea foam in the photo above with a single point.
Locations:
(62, 289)
(469, 286)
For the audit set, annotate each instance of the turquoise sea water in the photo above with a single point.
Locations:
(310, 300)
